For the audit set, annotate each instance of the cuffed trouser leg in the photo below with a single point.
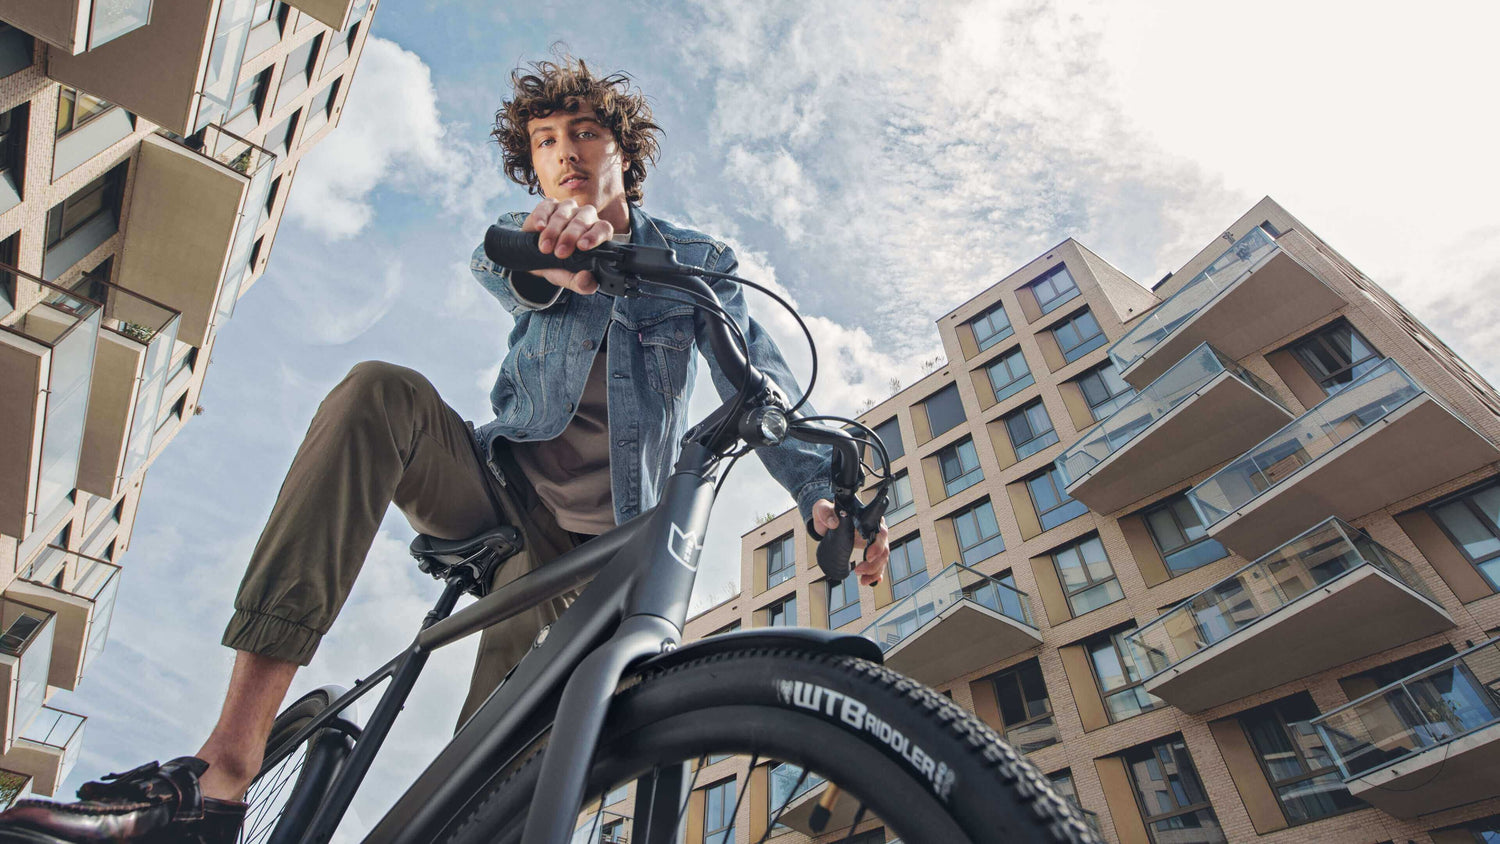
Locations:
(382, 435)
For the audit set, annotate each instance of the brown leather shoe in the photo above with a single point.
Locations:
(153, 803)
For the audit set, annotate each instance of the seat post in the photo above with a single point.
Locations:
(458, 582)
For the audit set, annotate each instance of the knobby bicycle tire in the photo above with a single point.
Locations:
(284, 798)
(929, 770)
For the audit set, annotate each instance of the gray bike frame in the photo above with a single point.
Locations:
(639, 579)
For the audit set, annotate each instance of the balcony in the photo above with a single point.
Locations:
(179, 73)
(1377, 441)
(130, 373)
(46, 371)
(1204, 410)
(26, 634)
(1252, 295)
(47, 749)
(1329, 596)
(192, 224)
(80, 593)
(337, 15)
(1427, 742)
(958, 621)
(77, 25)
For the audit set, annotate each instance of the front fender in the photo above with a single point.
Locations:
(793, 638)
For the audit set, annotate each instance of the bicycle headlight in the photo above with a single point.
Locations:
(764, 426)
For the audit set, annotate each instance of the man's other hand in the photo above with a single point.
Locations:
(877, 555)
(567, 227)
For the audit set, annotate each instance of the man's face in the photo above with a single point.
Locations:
(576, 157)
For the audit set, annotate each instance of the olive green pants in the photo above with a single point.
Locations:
(384, 436)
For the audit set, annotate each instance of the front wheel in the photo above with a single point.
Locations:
(835, 747)
(284, 797)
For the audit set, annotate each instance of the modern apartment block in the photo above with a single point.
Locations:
(1221, 557)
(147, 149)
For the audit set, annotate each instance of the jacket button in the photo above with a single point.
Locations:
(569, 408)
(622, 442)
(588, 344)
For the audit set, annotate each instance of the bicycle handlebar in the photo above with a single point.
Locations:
(619, 269)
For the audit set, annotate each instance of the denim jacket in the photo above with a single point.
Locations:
(650, 369)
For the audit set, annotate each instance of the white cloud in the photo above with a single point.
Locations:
(390, 133)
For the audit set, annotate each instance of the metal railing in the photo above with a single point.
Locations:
(1179, 383)
(1318, 431)
(1426, 709)
(153, 327)
(1239, 260)
(1319, 556)
(955, 583)
(109, 20)
(26, 634)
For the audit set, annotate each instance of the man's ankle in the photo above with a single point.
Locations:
(229, 774)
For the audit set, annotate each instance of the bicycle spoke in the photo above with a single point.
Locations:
(740, 798)
(859, 815)
(688, 792)
(796, 788)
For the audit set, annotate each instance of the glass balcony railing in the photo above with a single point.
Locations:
(93, 580)
(151, 328)
(1311, 435)
(13, 786)
(64, 328)
(956, 583)
(1237, 261)
(1320, 556)
(1176, 385)
(26, 634)
(113, 18)
(258, 164)
(59, 731)
(226, 56)
(1434, 706)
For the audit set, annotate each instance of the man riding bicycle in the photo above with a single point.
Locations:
(590, 405)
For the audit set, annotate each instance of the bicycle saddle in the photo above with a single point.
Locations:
(503, 540)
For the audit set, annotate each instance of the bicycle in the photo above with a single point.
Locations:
(638, 704)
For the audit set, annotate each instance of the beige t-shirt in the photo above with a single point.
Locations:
(571, 471)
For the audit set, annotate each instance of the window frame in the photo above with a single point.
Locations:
(980, 549)
(894, 515)
(963, 415)
(1466, 497)
(894, 423)
(260, 83)
(1115, 400)
(1302, 352)
(898, 583)
(1016, 384)
(1050, 473)
(1034, 443)
(786, 553)
(996, 335)
(1061, 297)
(1169, 506)
(74, 124)
(785, 608)
(841, 589)
(109, 186)
(1147, 819)
(1084, 345)
(1069, 594)
(1115, 637)
(721, 834)
(1013, 673)
(968, 476)
(1273, 713)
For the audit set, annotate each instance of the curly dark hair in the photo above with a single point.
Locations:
(568, 85)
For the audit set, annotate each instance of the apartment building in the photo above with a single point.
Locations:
(1220, 556)
(147, 149)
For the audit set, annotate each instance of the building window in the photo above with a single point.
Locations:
(781, 561)
(1009, 374)
(1087, 577)
(978, 532)
(297, 73)
(1472, 520)
(1078, 335)
(718, 817)
(13, 155)
(324, 101)
(783, 613)
(889, 432)
(279, 139)
(1180, 536)
(341, 47)
(959, 463)
(267, 11)
(1030, 429)
(787, 783)
(1104, 390)
(1118, 676)
(902, 505)
(613, 832)
(945, 411)
(250, 95)
(1173, 803)
(1062, 783)
(843, 602)
(728, 628)
(1336, 356)
(1053, 506)
(1296, 764)
(991, 327)
(1054, 288)
(1025, 708)
(617, 795)
(75, 108)
(908, 567)
(16, 50)
(101, 196)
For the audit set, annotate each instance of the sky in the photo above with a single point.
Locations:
(879, 162)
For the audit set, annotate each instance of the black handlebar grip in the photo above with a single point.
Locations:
(517, 250)
(835, 549)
